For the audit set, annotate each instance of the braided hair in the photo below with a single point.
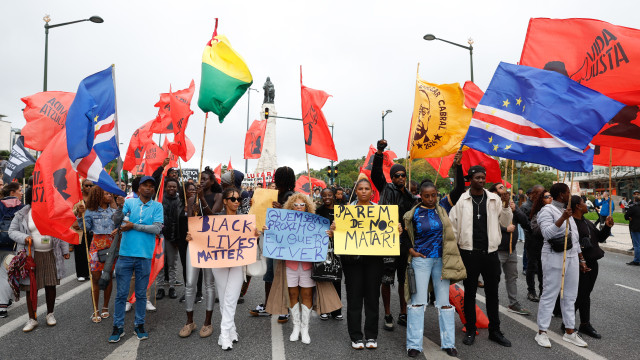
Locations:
(285, 179)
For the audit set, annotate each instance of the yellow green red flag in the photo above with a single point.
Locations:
(439, 121)
(225, 76)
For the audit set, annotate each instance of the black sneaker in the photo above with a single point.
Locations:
(469, 338)
(140, 332)
(413, 353)
(283, 318)
(587, 329)
(116, 334)
(182, 298)
(498, 336)
(172, 293)
(533, 297)
(3, 314)
(198, 298)
(258, 311)
(160, 294)
(388, 322)
(402, 320)
(634, 263)
(451, 352)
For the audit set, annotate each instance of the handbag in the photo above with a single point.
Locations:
(258, 268)
(103, 254)
(557, 244)
(328, 270)
(411, 278)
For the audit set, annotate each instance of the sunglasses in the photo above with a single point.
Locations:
(399, 175)
(547, 196)
(88, 186)
(299, 204)
(233, 199)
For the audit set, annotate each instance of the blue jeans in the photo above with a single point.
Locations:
(635, 239)
(125, 267)
(425, 269)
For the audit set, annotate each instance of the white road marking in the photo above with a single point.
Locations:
(126, 351)
(41, 291)
(585, 353)
(628, 287)
(21, 320)
(277, 340)
(431, 350)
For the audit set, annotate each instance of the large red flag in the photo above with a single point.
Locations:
(442, 165)
(162, 123)
(302, 184)
(317, 137)
(173, 158)
(180, 110)
(254, 140)
(139, 140)
(599, 55)
(218, 171)
(387, 163)
(56, 188)
(154, 155)
(473, 157)
(46, 114)
(472, 94)
(619, 157)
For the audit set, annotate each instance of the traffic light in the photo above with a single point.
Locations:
(329, 171)
(266, 113)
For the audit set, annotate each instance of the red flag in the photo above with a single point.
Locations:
(229, 167)
(387, 163)
(163, 123)
(620, 157)
(317, 137)
(56, 188)
(173, 158)
(218, 172)
(474, 157)
(157, 263)
(599, 55)
(46, 114)
(302, 184)
(254, 140)
(442, 165)
(472, 94)
(180, 111)
(154, 155)
(139, 140)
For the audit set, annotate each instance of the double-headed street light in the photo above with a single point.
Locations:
(430, 37)
(384, 113)
(47, 18)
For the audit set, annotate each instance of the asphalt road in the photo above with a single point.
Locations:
(615, 305)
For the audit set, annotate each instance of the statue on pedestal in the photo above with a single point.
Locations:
(269, 91)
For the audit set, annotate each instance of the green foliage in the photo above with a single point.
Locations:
(618, 218)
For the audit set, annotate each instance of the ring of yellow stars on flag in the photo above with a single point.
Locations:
(505, 104)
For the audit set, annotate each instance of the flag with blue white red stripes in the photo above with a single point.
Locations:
(539, 116)
(92, 132)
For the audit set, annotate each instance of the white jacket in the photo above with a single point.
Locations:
(461, 216)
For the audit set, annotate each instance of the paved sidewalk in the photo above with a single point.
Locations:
(620, 242)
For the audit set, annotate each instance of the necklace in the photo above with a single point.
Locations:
(478, 204)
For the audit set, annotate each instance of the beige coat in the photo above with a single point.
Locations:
(325, 299)
(461, 216)
(452, 266)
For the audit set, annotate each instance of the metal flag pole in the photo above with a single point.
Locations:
(610, 188)
(115, 105)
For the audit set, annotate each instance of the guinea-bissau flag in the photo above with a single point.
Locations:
(599, 55)
(225, 76)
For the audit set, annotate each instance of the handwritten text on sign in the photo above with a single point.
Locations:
(222, 241)
(296, 235)
(367, 230)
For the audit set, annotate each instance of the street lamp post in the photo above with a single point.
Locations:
(246, 161)
(47, 18)
(384, 113)
(430, 37)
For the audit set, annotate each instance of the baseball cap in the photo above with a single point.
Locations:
(147, 178)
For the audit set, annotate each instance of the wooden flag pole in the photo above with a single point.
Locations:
(506, 168)
(204, 135)
(86, 245)
(184, 190)
(566, 235)
(610, 188)
(439, 166)
(513, 165)
(309, 175)
(557, 175)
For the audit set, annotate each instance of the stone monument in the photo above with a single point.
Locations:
(268, 160)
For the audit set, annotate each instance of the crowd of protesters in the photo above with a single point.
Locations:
(444, 239)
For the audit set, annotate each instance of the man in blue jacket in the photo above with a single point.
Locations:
(603, 203)
(142, 220)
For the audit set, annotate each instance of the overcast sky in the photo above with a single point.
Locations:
(364, 53)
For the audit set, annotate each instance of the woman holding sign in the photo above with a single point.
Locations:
(434, 254)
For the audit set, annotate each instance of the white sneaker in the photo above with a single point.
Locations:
(543, 340)
(150, 306)
(371, 344)
(575, 339)
(31, 324)
(127, 307)
(51, 320)
(225, 343)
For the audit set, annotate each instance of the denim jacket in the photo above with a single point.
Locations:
(99, 221)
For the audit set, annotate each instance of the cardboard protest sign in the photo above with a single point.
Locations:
(262, 199)
(189, 174)
(366, 230)
(222, 241)
(296, 235)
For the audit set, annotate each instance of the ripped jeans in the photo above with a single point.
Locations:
(425, 269)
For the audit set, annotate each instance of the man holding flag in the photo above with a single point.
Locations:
(142, 219)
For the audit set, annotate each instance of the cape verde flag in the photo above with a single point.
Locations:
(92, 131)
(539, 116)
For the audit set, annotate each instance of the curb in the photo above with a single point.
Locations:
(616, 250)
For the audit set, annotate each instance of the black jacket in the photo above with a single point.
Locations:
(586, 228)
(519, 218)
(389, 193)
(633, 215)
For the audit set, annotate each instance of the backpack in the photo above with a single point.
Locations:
(6, 216)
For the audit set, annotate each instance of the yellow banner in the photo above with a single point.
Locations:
(366, 230)
(439, 121)
(262, 200)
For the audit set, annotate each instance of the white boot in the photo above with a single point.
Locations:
(305, 313)
(295, 316)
